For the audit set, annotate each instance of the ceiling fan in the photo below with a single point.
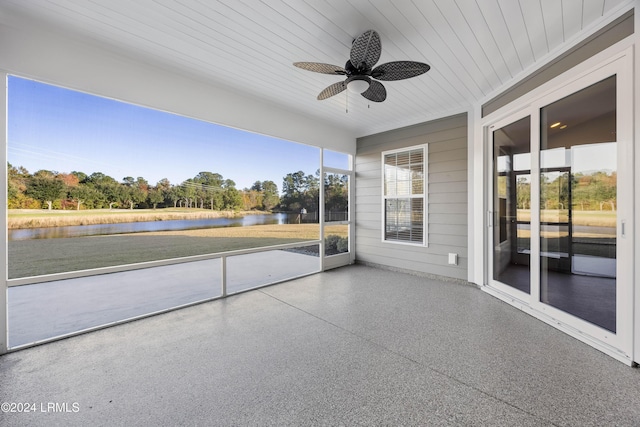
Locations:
(361, 76)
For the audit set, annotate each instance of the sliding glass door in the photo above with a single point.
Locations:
(560, 206)
(578, 204)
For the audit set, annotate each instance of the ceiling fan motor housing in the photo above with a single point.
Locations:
(352, 70)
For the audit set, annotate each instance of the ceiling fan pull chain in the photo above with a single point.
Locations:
(347, 103)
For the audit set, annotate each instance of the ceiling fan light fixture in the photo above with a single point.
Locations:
(357, 86)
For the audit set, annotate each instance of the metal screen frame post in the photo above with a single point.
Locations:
(4, 289)
(223, 272)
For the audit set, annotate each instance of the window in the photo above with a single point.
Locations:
(404, 193)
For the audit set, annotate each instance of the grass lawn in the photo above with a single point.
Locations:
(47, 256)
(586, 218)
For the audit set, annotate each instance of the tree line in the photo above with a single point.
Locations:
(206, 190)
(595, 191)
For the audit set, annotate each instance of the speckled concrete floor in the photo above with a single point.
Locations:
(353, 346)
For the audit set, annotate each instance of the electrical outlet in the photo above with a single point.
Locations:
(453, 259)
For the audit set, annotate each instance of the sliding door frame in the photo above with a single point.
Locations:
(619, 344)
(492, 216)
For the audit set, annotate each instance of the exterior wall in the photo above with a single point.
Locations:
(447, 199)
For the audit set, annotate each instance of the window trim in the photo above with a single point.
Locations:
(425, 202)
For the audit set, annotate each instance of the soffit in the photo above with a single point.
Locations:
(475, 47)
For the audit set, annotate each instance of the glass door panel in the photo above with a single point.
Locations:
(578, 204)
(512, 204)
(336, 213)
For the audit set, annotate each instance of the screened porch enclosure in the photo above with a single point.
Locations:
(86, 251)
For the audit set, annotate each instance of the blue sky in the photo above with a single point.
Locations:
(62, 130)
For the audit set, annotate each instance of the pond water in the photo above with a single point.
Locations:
(138, 227)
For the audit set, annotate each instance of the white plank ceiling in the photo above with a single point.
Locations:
(474, 47)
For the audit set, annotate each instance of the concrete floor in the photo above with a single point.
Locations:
(352, 346)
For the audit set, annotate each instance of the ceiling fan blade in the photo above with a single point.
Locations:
(366, 49)
(318, 67)
(376, 92)
(334, 89)
(399, 70)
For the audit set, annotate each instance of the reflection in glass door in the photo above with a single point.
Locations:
(512, 205)
(578, 204)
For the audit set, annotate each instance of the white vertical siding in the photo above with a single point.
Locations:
(447, 198)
